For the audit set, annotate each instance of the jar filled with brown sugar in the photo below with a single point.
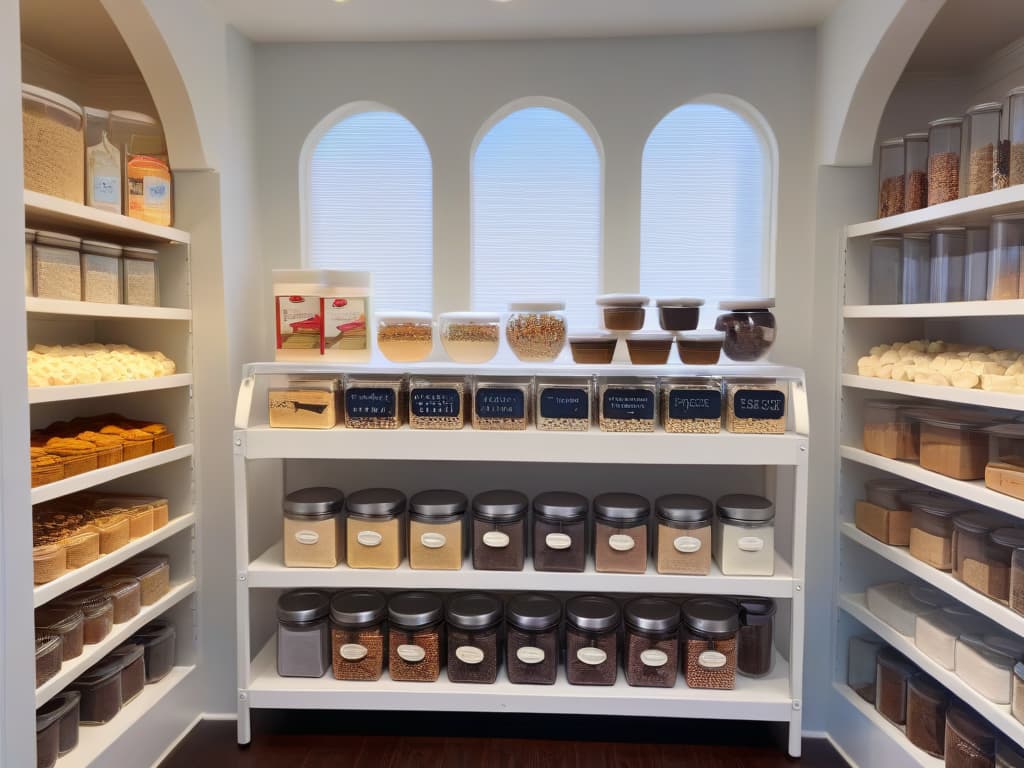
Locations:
(954, 445)
(889, 430)
(303, 634)
(559, 532)
(883, 514)
(499, 530)
(927, 703)
(620, 533)
(474, 641)
(358, 635)
(592, 640)
(314, 533)
(892, 675)
(931, 528)
(999, 552)
(710, 627)
(755, 645)
(376, 528)
(970, 538)
(436, 524)
(416, 642)
(650, 656)
(683, 535)
(531, 629)
(970, 741)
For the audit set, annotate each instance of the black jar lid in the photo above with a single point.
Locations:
(314, 502)
(593, 613)
(756, 610)
(474, 610)
(981, 522)
(438, 506)
(621, 508)
(560, 506)
(376, 503)
(358, 608)
(683, 508)
(302, 605)
(500, 506)
(935, 504)
(746, 508)
(533, 612)
(1012, 538)
(413, 610)
(652, 614)
(714, 616)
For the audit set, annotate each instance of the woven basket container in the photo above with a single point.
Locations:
(108, 456)
(115, 532)
(163, 442)
(82, 546)
(76, 465)
(47, 474)
(136, 449)
(161, 513)
(49, 561)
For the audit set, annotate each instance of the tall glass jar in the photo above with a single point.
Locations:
(982, 131)
(915, 162)
(885, 270)
(976, 264)
(755, 650)
(416, 646)
(944, 159)
(947, 268)
(710, 628)
(591, 640)
(916, 286)
(303, 635)
(890, 177)
(358, 635)
(1016, 135)
(651, 654)
(474, 642)
(1006, 239)
(536, 331)
(532, 639)
(559, 532)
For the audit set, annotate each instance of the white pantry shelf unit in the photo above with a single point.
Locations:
(48, 212)
(271, 462)
(977, 397)
(996, 308)
(106, 389)
(60, 308)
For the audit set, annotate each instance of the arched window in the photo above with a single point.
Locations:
(370, 206)
(537, 213)
(705, 207)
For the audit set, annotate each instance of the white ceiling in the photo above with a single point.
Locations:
(380, 20)
(966, 32)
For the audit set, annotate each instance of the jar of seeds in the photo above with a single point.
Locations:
(532, 639)
(536, 331)
(474, 647)
(415, 637)
(982, 130)
(651, 654)
(405, 337)
(944, 159)
(563, 404)
(591, 640)
(501, 404)
(710, 628)
(626, 405)
(358, 632)
(890, 177)
(374, 402)
(57, 266)
(915, 171)
(470, 337)
(691, 405)
(437, 402)
(756, 406)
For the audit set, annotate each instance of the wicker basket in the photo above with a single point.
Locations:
(136, 449)
(82, 546)
(108, 456)
(49, 561)
(115, 532)
(77, 465)
(141, 521)
(50, 473)
(163, 442)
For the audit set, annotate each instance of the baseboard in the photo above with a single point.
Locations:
(174, 744)
(842, 752)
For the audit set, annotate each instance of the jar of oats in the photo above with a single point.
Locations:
(536, 331)
(53, 144)
(405, 337)
(101, 272)
(57, 266)
(563, 404)
(756, 406)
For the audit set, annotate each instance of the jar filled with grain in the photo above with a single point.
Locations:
(944, 136)
(141, 277)
(755, 644)
(691, 405)
(889, 430)
(744, 535)
(970, 541)
(915, 171)
(970, 740)
(892, 675)
(499, 530)
(627, 405)
(651, 653)
(501, 404)
(563, 404)
(474, 642)
(620, 533)
(683, 538)
(1006, 241)
(710, 626)
(749, 328)
(1002, 544)
(358, 635)
(437, 402)
(405, 337)
(559, 532)
(536, 331)
(374, 402)
(592, 640)
(57, 266)
(314, 535)
(532, 639)
(436, 522)
(416, 642)
(987, 164)
(890, 177)
(756, 406)
(303, 634)
(470, 337)
(53, 144)
(375, 528)
(101, 272)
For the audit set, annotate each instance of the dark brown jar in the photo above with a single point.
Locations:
(651, 653)
(100, 688)
(63, 710)
(559, 532)
(415, 637)
(48, 657)
(892, 675)
(710, 627)
(970, 741)
(927, 703)
(620, 533)
(68, 622)
(474, 647)
(98, 613)
(591, 640)
(133, 670)
(1002, 543)
(682, 314)
(47, 737)
(623, 311)
(157, 640)
(358, 634)
(756, 643)
(532, 639)
(499, 530)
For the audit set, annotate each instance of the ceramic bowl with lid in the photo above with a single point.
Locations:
(649, 347)
(592, 347)
(623, 311)
(700, 347)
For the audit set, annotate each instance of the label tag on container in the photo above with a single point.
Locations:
(694, 404)
(591, 656)
(369, 538)
(620, 542)
(759, 404)
(411, 653)
(654, 658)
(712, 660)
(435, 402)
(529, 654)
(750, 544)
(686, 544)
(307, 537)
(558, 541)
(496, 539)
(564, 403)
(353, 652)
(370, 403)
(467, 654)
(500, 403)
(433, 540)
(628, 404)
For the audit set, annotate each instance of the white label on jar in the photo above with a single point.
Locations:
(686, 544)
(369, 538)
(467, 654)
(433, 540)
(307, 537)
(353, 652)
(751, 544)
(529, 654)
(411, 653)
(654, 658)
(591, 656)
(712, 660)
(558, 541)
(620, 542)
(496, 539)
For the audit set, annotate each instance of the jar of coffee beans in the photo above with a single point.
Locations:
(358, 635)
(591, 640)
(474, 621)
(532, 639)
(710, 628)
(651, 653)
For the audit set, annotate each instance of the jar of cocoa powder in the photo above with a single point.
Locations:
(892, 675)
(532, 639)
(620, 533)
(710, 628)
(499, 530)
(927, 703)
(415, 637)
(651, 651)
(474, 641)
(591, 640)
(559, 532)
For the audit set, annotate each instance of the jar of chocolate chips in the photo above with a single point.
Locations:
(532, 639)
(710, 628)
(591, 640)
(474, 621)
(358, 634)
(499, 530)
(415, 637)
(559, 532)
(651, 653)
(749, 328)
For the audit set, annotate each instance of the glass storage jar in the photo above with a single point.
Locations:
(133, 670)
(68, 623)
(437, 402)
(1001, 546)
(591, 640)
(890, 177)
(48, 656)
(955, 444)
(915, 287)
(893, 675)
(623, 311)
(101, 272)
(749, 328)
(931, 528)
(1006, 239)
(375, 531)
(374, 402)
(153, 572)
(563, 404)
(982, 141)
(948, 245)
(944, 159)
(559, 532)
(710, 627)
(303, 635)
(1017, 581)
(65, 706)
(532, 639)
(862, 666)
(416, 641)
(305, 403)
(683, 537)
(57, 266)
(699, 347)
(1005, 469)
(627, 405)
(1016, 135)
(53, 144)
(888, 491)
(889, 430)
(100, 691)
(140, 273)
(358, 635)
(927, 703)
(98, 613)
(651, 653)
(158, 642)
(47, 737)
(936, 632)
(985, 667)
(536, 331)
(314, 535)
(679, 314)
(884, 515)
(30, 239)
(899, 605)
(970, 540)
(592, 347)
(691, 405)
(756, 406)
(499, 530)
(976, 264)
(649, 347)
(915, 171)
(405, 337)
(885, 270)
(436, 522)
(470, 337)
(474, 643)
(755, 651)
(620, 533)
(744, 535)
(501, 404)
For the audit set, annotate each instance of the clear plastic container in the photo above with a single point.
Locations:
(48, 656)
(862, 666)
(936, 632)
(358, 635)
(437, 402)
(57, 266)
(1002, 544)
(559, 532)
(887, 492)
(985, 667)
(710, 629)
(885, 270)
(744, 535)
(436, 524)
(470, 337)
(141, 275)
(970, 540)
(679, 314)
(955, 445)
(627, 405)
(501, 404)
(536, 331)
(1016, 135)
(691, 405)
(756, 406)
(890, 431)
(683, 534)
(47, 736)
(303, 634)
(158, 643)
(68, 623)
(102, 163)
(700, 347)
(927, 703)
(890, 177)
(948, 246)
(100, 689)
(970, 741)
(883, 515)
(499, 530)
(149, 193)
(405, 337)
(101, 272)
(65, 708)
(416, 640)
(30, 239)
(982, 143)
(374, 402)
(931, 528)
(915, 174)
(917, 260)
(899, 605)
(591, 640)
(1017, 581)
(133, 670)
(623, 311)
(314, 529)
(944, 138)
(749, 328)
(563, 404)
(376, 528)
(1006, 239)
(649, 347)
(532, 647)
(976, 264)
(53, 144)
(756, 641)
(474, 637)
(1017, 695)
(893, 676)
(620, 533)
(592, 347)
(650, 656)
(1005, 469)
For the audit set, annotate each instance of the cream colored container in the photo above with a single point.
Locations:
(314, 536)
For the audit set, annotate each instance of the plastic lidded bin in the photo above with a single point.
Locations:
(916, 285)
(890, 177)
(536, 331)
(982, 131)
(64, 707)
(499, 530)
(976, 264)
(927, 703)
(591, 640)
(620, 533)
(133, 670)
(691, 405)
(710, 629)
(954, 445)
(931, 528)
(894, 673)
(1003, 544)
(1005, 469)
(68, 623)
(970, 741)
(623, 311)
(100, 689)
(101, 272)
(970, 540)
(744, 535)
(861, 666)
(314, 532)
(885, 270)
(936, 632)
(559, 532)
(1006, 239)
(158, 643)
(899, 605)
(53, 144)
(948, 246)
(48, 656)
(141, 276)
(915, 172)
(944, 138)
(416, 640)
(57, 266)
(563, 404)
(358, 635)
(755, 651)
(627, 405)
(47, 737)
(889, 430)
(985, 667)
(650, 656)
(375, 402)
(683, 534)
(437, 402)
(887, 492)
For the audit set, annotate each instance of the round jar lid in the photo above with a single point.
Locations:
(648, 336)
(533, 612)
(360, 608)
(749, 305)
(537, 306)
(945, 121)
(683, 508)
(314, 502)
(500, 506)
(474, 610)
(303, 605)
(702, 336)
(746, 507)
(713, 616)
(684, 302)
(622, 300)
(592, 613)
(472, 318)
(652, 614)
(591, 337)
(439, 506)
(1012, 538)
(898, 142)
(412, 610)
(988, 106)
(419, 318)
(621, 508)
(560, 506)
(980, 522)
(376, 502)
(41, 95)
(935, 505)
(757, 610)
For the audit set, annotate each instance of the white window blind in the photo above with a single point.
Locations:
(703, 208)
(371, 207)
(537, 214)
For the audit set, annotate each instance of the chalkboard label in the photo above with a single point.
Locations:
(370, 403)
(564, 403)
(499, 403)
(759, 404)
(628, 404)
(695, 404)
(436, 402)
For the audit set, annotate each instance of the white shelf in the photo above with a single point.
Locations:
(972, 490)
(98, 476)
(106, 389)
(973, 210)
(762, 699)
(61, 308)
(898, 751)
(1000, 308)
(977, 397)
(997, 714)
(44, 593)
(48, 212)
(901, 556)
(267, 571)
(93, 654)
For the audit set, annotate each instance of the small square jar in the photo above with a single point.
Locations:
(931, 527)
(899, 605)
(304, 404)
(1005, 469)
(358, 635)
(303, 634)
(862, 666)
(893, 675)
(756, 406)
(563, 404)
(744, 535)
(474, 641)
(691, 405)
(314, 532)
(623, 311)
(375, 528)
(416, 642)
(679, 314)
(101, 272)
(884, 515)
(501, 404)
(985, 667)
(133, 670)
(559, 532)
(591, 640)
(57, 266)
(405, 337)
(499, 530)
(953, 445)
(970, 740)
(927, 703)
(683, 534)
(650, 656)
(889, 430)
(374, 403)
(531, 622)
(620, 533)
(710, 629)
(755, 644)
(100, 690)
(627, 405)
(936, 632)
(158, 643)
(971, 551)
(437, 402)
(436, 525)
(141, 281)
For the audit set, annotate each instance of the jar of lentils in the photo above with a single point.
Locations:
(591, 640)
(415, 637)
(474, 644)
(536, 331)
(710, 628)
